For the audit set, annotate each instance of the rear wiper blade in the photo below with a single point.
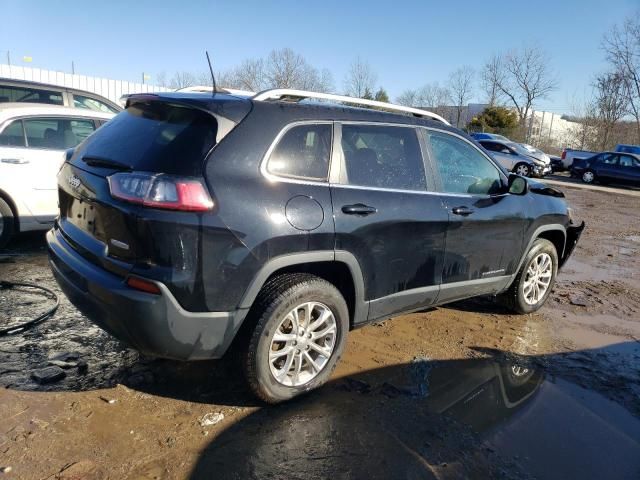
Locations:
(105, 162)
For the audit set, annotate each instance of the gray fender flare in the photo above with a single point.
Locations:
(361, 307)
(541, 229)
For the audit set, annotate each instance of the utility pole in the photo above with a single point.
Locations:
(8, 58)
(143, 78)
(73, 68)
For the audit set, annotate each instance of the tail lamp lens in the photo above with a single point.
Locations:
(161, 191)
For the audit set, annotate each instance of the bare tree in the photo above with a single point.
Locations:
(249, 75)
(409, 98)
(161, 79)
(611, 103)
(286, 69)
(584, 115)
(360, 79)
(461, 89)
(622, 46)
(491, 76)
(182, 80)
(523, 76)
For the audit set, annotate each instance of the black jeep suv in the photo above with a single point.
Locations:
(191, 221)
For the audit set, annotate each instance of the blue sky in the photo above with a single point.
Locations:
(408, 43)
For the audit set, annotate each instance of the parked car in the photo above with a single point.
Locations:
(570, 154)
(556, 164)
(286, 224)
(621, 148)
(20, 91)
(531, 151)
(489, 136)
(537, 153)
(608, 167)
(516, 158)
(33, 139)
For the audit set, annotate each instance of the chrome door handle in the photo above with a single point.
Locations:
(14, 161)
(464, 211)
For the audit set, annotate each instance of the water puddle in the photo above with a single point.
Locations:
(471, 418)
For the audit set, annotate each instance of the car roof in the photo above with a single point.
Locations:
(49, 86)
(306, 110)
(11, 110)
(634, 155)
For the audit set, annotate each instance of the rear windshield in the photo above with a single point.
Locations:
(155, 137)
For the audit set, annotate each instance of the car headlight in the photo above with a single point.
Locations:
(570, 214)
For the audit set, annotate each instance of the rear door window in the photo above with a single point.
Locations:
(155, 137)
(302, 152)
(45, 133)
(10, 93)
(13, 135)
(382, 157)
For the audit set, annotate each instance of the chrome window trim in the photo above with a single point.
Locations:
(300, 181)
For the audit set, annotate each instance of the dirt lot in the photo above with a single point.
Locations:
(462, 391)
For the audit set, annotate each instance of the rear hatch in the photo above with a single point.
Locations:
(132, 194)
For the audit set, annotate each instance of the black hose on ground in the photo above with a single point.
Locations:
(20, 327)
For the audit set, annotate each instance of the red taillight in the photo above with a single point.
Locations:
(564, 154)
(161, 191)
(143, 285)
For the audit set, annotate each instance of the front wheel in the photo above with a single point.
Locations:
(299, 335)
(7, 223)
(588, 176)
(522, 169)
(535, 280)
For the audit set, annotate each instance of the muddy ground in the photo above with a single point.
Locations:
(462, 391)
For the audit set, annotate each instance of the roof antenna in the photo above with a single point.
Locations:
(213, 77)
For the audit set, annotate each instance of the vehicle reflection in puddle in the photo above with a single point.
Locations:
(465, 418)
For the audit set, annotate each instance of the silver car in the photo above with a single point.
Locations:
(515, 158)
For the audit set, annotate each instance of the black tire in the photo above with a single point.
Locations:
(7, 223)
(522, 167)
(588, 176)
(514, 298)
(279, 296)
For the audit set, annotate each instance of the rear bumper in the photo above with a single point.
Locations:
(573, 235)
(153, 324)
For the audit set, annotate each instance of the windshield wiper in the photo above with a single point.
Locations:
(105, 163)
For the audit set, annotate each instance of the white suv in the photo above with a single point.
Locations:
(33, 139)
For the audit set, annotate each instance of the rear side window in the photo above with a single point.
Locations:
(13, 135)
(57, 133)
(382, 157)
(156, 137)
(302, 152)
(462, 168)
(9, 93)
(80, 101)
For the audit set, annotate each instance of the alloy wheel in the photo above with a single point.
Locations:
(522, 170)
(302, 344)
(538, 278)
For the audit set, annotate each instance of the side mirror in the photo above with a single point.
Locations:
(517, 185)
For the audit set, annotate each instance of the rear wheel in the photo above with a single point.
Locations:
(522, 169)
(299, 335)
(588, 176)
(7, 223)
(533, 284)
